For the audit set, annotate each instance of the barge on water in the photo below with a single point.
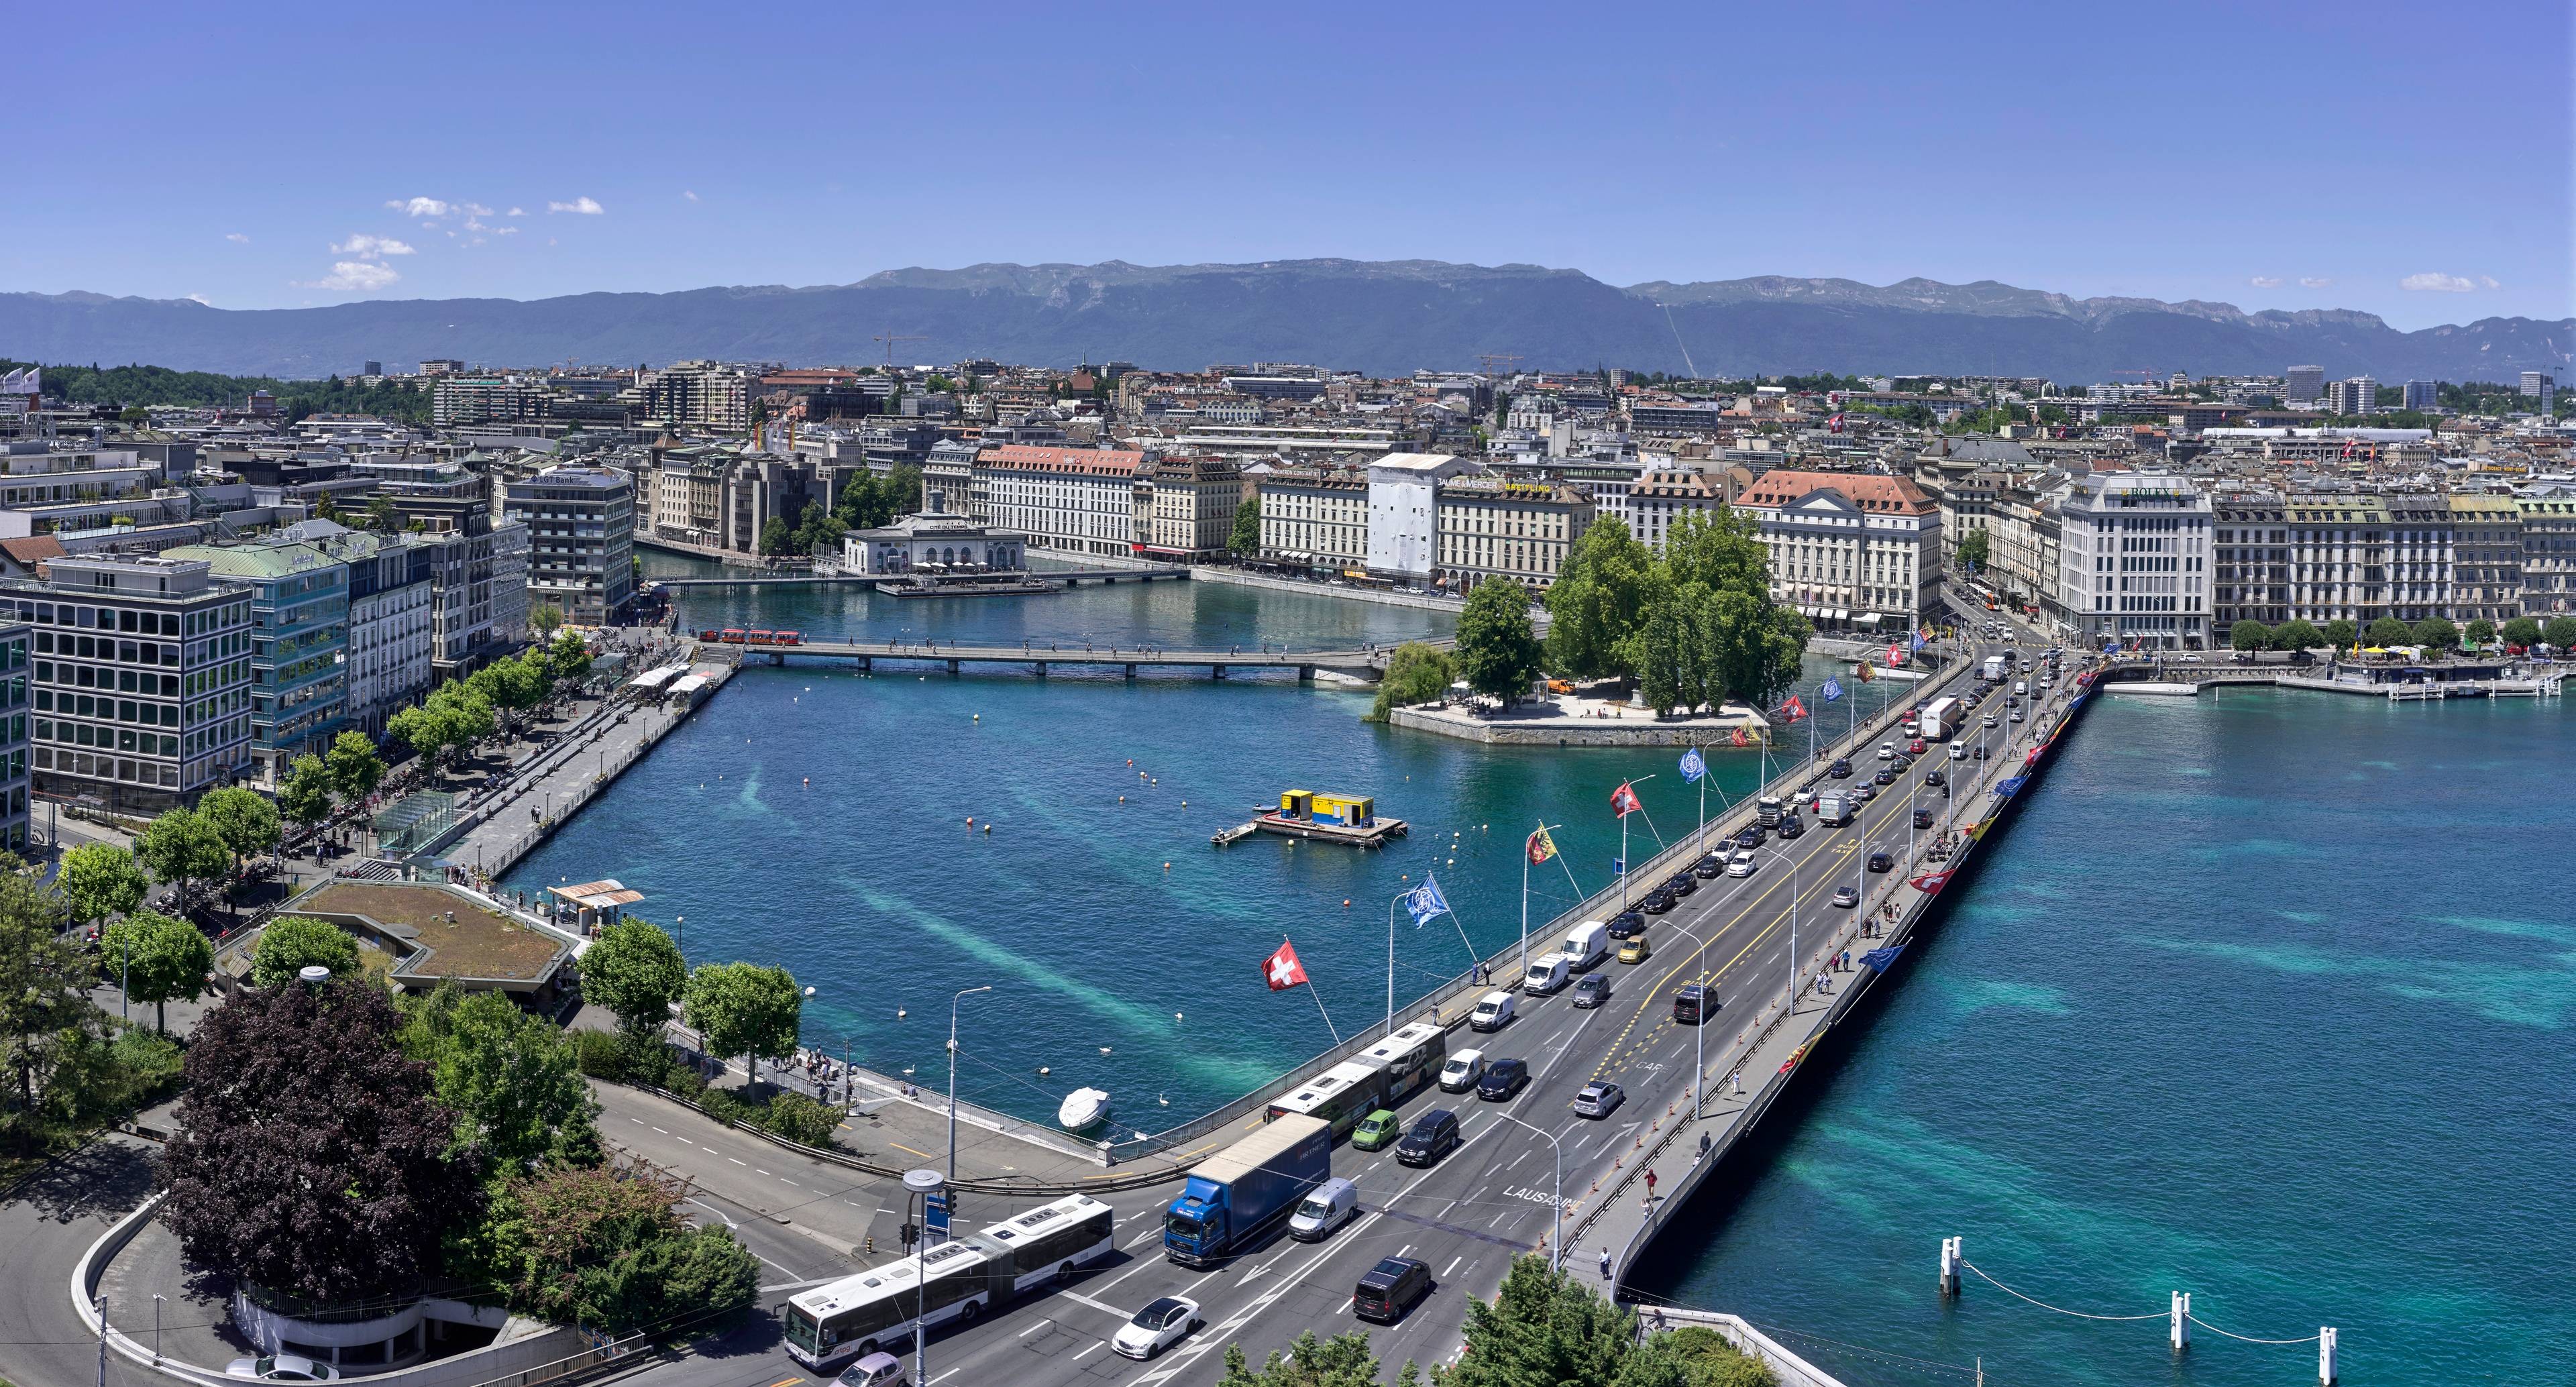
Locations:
(1348, 819)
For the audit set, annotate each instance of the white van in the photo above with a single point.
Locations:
(1585, 945)
(1328, 1207)
(1546, 975)
(1462, 1071)
(1493, 1012)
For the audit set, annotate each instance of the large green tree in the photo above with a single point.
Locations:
(743, 1009)
(605, 1248)
(1599, 597)
(635, 971)
(157, 960)
(46, 1021)
(99, 880)
(313, 1163)
(243, 818)
(509, 1077)
(1415, 673)
(180, 847)
(1498, 653)
(291, 943)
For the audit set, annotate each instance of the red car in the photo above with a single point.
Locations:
(1917, 747)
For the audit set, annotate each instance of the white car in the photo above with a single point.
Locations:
(281, 1367)
(1157, 1327)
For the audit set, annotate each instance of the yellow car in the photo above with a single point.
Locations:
(1635, 950)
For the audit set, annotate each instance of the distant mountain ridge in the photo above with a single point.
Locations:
(1382, 317)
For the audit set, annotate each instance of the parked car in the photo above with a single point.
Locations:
(1599, 1099)
(1377, 1131)
(1156, 1327)
(1392, 1287)
(1434, 1135)
(1847, 896)
(1503, 1078)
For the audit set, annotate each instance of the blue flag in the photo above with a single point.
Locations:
(1425, 901)
(1830, 691)
(1692, 766)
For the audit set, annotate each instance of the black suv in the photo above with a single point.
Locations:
(1434, 1135)
(1393, 1286)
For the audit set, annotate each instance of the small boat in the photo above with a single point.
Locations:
(1083, 1109)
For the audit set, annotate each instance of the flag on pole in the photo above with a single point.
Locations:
(1541, 847)
(1425, 901)
(1692, 766)
(1282, 969)
(1623, 801)
(1830, 691)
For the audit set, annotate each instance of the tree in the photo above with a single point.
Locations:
(1598, 598)
(179, 847)
(605, 1248)
(46, 1020)
(2297, 634)
(743, 1009)
(1246, 539)
(100, 879)
(291, 943)
(1498, 653)
(312, 1164)
(356, 766)
(1343, 1360)
(1415, 673)
(2342, 633)
(2522, 631)
(2559, 631)
(635, 971)
(2388, 630)
(304, 792)
(2482, 632)
(508, 1076)
(156, 959)
(243, 818)
(2438, 633)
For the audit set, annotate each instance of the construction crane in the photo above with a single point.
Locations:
(890, 338)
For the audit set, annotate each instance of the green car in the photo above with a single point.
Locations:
(1378, 1129)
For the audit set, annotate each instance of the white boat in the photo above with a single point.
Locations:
(1083, 1109)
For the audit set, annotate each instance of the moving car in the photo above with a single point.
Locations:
(1503, 1078)
(1392, 1287)
(1376, 1131)
(1635, 950)
(1434, 1135)
(1847, 896)
(1592, 990)
(281, 1367)
(1156, 1327)
(1329, 1206)
(1599, 1099)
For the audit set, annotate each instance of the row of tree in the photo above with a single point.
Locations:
(2436, 633)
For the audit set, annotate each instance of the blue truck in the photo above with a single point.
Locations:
(1236, 1195)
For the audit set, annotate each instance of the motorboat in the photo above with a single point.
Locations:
(1083, 1109)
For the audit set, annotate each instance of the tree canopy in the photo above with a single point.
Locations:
(635, 971)
(291, 943)
(157, 960)
(743, 1009)
(312, 1163)
(1498, 653)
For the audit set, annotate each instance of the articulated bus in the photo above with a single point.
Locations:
(877, 1308)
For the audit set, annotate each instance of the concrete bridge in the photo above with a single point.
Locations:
(1367, 663)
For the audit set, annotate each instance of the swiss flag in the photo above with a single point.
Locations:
(1623, 801)
(1282, 970)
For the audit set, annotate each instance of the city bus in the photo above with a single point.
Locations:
(1340, 1096)
(1046, 1243)
(878, 1308)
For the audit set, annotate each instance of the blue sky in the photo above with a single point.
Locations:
(2269, 156)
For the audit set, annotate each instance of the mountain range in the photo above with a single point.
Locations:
(1380, 317)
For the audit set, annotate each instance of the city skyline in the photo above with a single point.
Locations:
(583, 156)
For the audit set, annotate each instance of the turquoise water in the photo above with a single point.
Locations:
(2267, 999)
(816, 818)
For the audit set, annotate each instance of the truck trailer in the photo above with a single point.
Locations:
(1236, 1195)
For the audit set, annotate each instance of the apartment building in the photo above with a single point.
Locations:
(1315, 517)
(1185, 507)
(2548, 550)
(142, 679)
(2134, 560)
(1491, 528)
(2486, 557)
(581, 540)
(299, 606)
(1079, 501)
(1849, 550)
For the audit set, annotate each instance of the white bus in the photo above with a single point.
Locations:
(1046, 1243)
(877, 1308)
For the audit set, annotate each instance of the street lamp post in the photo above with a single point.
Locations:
(952, 1080)
(1556, 1209)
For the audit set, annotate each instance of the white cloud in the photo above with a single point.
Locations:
(587, 207)
(2434, 282)
(354, 277)
(2265, 281)
(200, 298)
(367, 247)
(689, 195)
(237, 238)
(2314, 281)
(420, 207)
